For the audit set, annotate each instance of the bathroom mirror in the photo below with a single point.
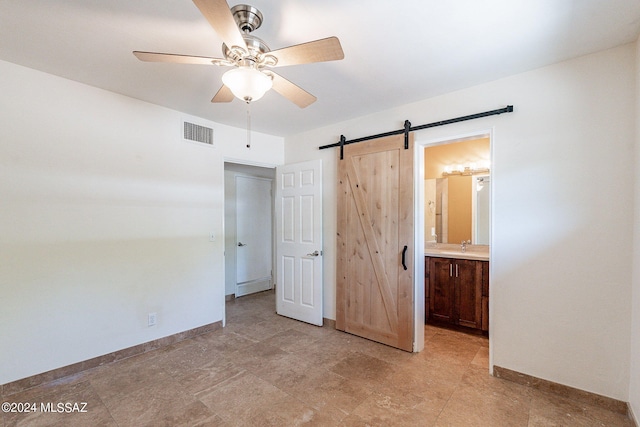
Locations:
(457, 192)
(481, 212)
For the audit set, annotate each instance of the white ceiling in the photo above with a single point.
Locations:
(395, 52)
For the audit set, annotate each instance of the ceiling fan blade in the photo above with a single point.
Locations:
(223, 95)
(219, 15)
(292, 92)
(174, 58)
(328, 49)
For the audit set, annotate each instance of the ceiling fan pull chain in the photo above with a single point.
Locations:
(248, 125)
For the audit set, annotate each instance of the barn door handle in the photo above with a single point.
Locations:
(404, 254)
(241, 244)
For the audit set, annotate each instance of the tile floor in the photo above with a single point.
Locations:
(264, 370)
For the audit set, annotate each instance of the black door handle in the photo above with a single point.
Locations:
(404, 254)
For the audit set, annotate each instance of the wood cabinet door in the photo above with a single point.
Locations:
(426, 290)
(485, 296)
(468, 293)
(374, 290)
(441, 295)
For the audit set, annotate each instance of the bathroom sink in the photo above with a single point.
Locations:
(448, 253)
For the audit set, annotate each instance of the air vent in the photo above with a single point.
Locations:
(197, 133)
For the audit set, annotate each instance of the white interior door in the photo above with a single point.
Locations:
(253, 235)
(299, 241)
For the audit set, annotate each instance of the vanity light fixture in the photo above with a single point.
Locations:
(465, 170)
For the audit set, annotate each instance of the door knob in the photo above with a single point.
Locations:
(314, 253)
(241, 244)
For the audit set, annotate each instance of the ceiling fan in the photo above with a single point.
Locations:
(251, 58)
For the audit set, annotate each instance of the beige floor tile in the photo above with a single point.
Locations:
(118, 380)
(285, 372)
(290, 340)
(289, 411)
(482, 358)
(364, 368)
(257, 355)
(312, 330)
(261, 330)
(329, 392)
(224, 340)
(264, 369)
(81, 406)
(429, 380)
(241, 398)
(325, 353)
(383, 410)
(202, 378)
(470, 405)
(552, 410)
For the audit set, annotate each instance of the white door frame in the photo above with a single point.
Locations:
(224, 234)
(419, 296)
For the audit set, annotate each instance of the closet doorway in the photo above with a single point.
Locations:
(249, 243)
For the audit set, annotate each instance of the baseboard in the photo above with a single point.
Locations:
(563, 390)
(329, 323)
(253, 286)
(55, 374)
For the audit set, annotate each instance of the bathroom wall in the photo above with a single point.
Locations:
(437, 157)
(561, 240)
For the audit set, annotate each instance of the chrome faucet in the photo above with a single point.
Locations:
(463, 245)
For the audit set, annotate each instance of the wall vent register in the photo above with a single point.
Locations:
(197, 133)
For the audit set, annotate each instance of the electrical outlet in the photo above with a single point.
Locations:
(152, 319)
(212, 237)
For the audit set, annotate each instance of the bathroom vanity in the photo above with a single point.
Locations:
(457, 287)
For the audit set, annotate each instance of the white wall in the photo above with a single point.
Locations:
(634, 387)
(105, 216)
(562, 219)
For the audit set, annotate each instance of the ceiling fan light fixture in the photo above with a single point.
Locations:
(247, 84)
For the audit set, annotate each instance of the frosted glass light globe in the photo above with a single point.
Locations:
(247, 84)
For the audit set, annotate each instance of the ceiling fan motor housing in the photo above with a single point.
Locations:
(257, 48)
(247, 17)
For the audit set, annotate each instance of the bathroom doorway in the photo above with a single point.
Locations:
(453, 186)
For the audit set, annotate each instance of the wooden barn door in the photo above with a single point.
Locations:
(374, 289)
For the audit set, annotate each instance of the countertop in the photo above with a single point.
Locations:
(452, 250)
